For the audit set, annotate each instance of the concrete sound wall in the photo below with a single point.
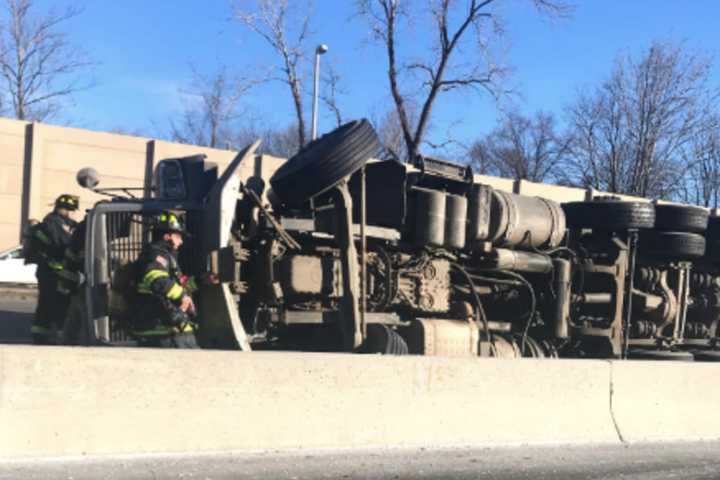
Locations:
(12, 154)
(57, 153)
(39, 162)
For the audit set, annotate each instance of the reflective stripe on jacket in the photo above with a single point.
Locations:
(160, 274)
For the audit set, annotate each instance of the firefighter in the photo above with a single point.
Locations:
(73, 332)
(50, 238)
(163, 310)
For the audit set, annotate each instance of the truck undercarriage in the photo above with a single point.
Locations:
(343, 253)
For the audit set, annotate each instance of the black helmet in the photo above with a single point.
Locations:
(67, 201)
(168, 222)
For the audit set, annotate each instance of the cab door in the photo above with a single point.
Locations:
(220, 325)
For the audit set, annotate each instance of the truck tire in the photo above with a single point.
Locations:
(382, 339)
(713, 229)
(664, 355)
(398, 347)
(609, 215)
(672, 245)
(324, 162)
(681, 218)
(712, 250)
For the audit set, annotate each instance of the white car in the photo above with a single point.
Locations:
(13, 268)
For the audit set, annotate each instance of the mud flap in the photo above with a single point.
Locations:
(221, 326)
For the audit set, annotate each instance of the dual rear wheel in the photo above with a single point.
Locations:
(670, 232)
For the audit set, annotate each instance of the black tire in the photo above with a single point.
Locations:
(712, 250)
(713, 229)
(707, 356)
(664, 355)
(681, 218)
(609, 215)
(382, 339)
(671, 245)
(399, 346)
(324, 162)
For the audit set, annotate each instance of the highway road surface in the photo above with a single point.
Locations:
(16, 313)
(688, 461)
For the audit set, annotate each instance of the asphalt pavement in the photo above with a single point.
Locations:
(17, 306)
(682, 461)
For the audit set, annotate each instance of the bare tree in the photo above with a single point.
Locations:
(330, 93)
(286, 31)
(280, 142)
(456, 27)
(702, 158)
(630, 133)
(521, 148)
(212, 109)
(39, 65)
(390, 131)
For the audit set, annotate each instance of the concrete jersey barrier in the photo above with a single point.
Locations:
(57, 401)
(666, 401)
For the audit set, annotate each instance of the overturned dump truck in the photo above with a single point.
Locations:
(342, 252)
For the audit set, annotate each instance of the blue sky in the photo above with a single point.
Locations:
(144, 50)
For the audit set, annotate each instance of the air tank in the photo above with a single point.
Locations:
(456, 207)
(526, 222)
(430, 207)
(480, 199)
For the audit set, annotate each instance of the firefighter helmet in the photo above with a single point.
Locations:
(67, 201)
(168, 222)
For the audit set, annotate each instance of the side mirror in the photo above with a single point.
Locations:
(88, 178)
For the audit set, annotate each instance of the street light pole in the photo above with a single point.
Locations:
(321, 49)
